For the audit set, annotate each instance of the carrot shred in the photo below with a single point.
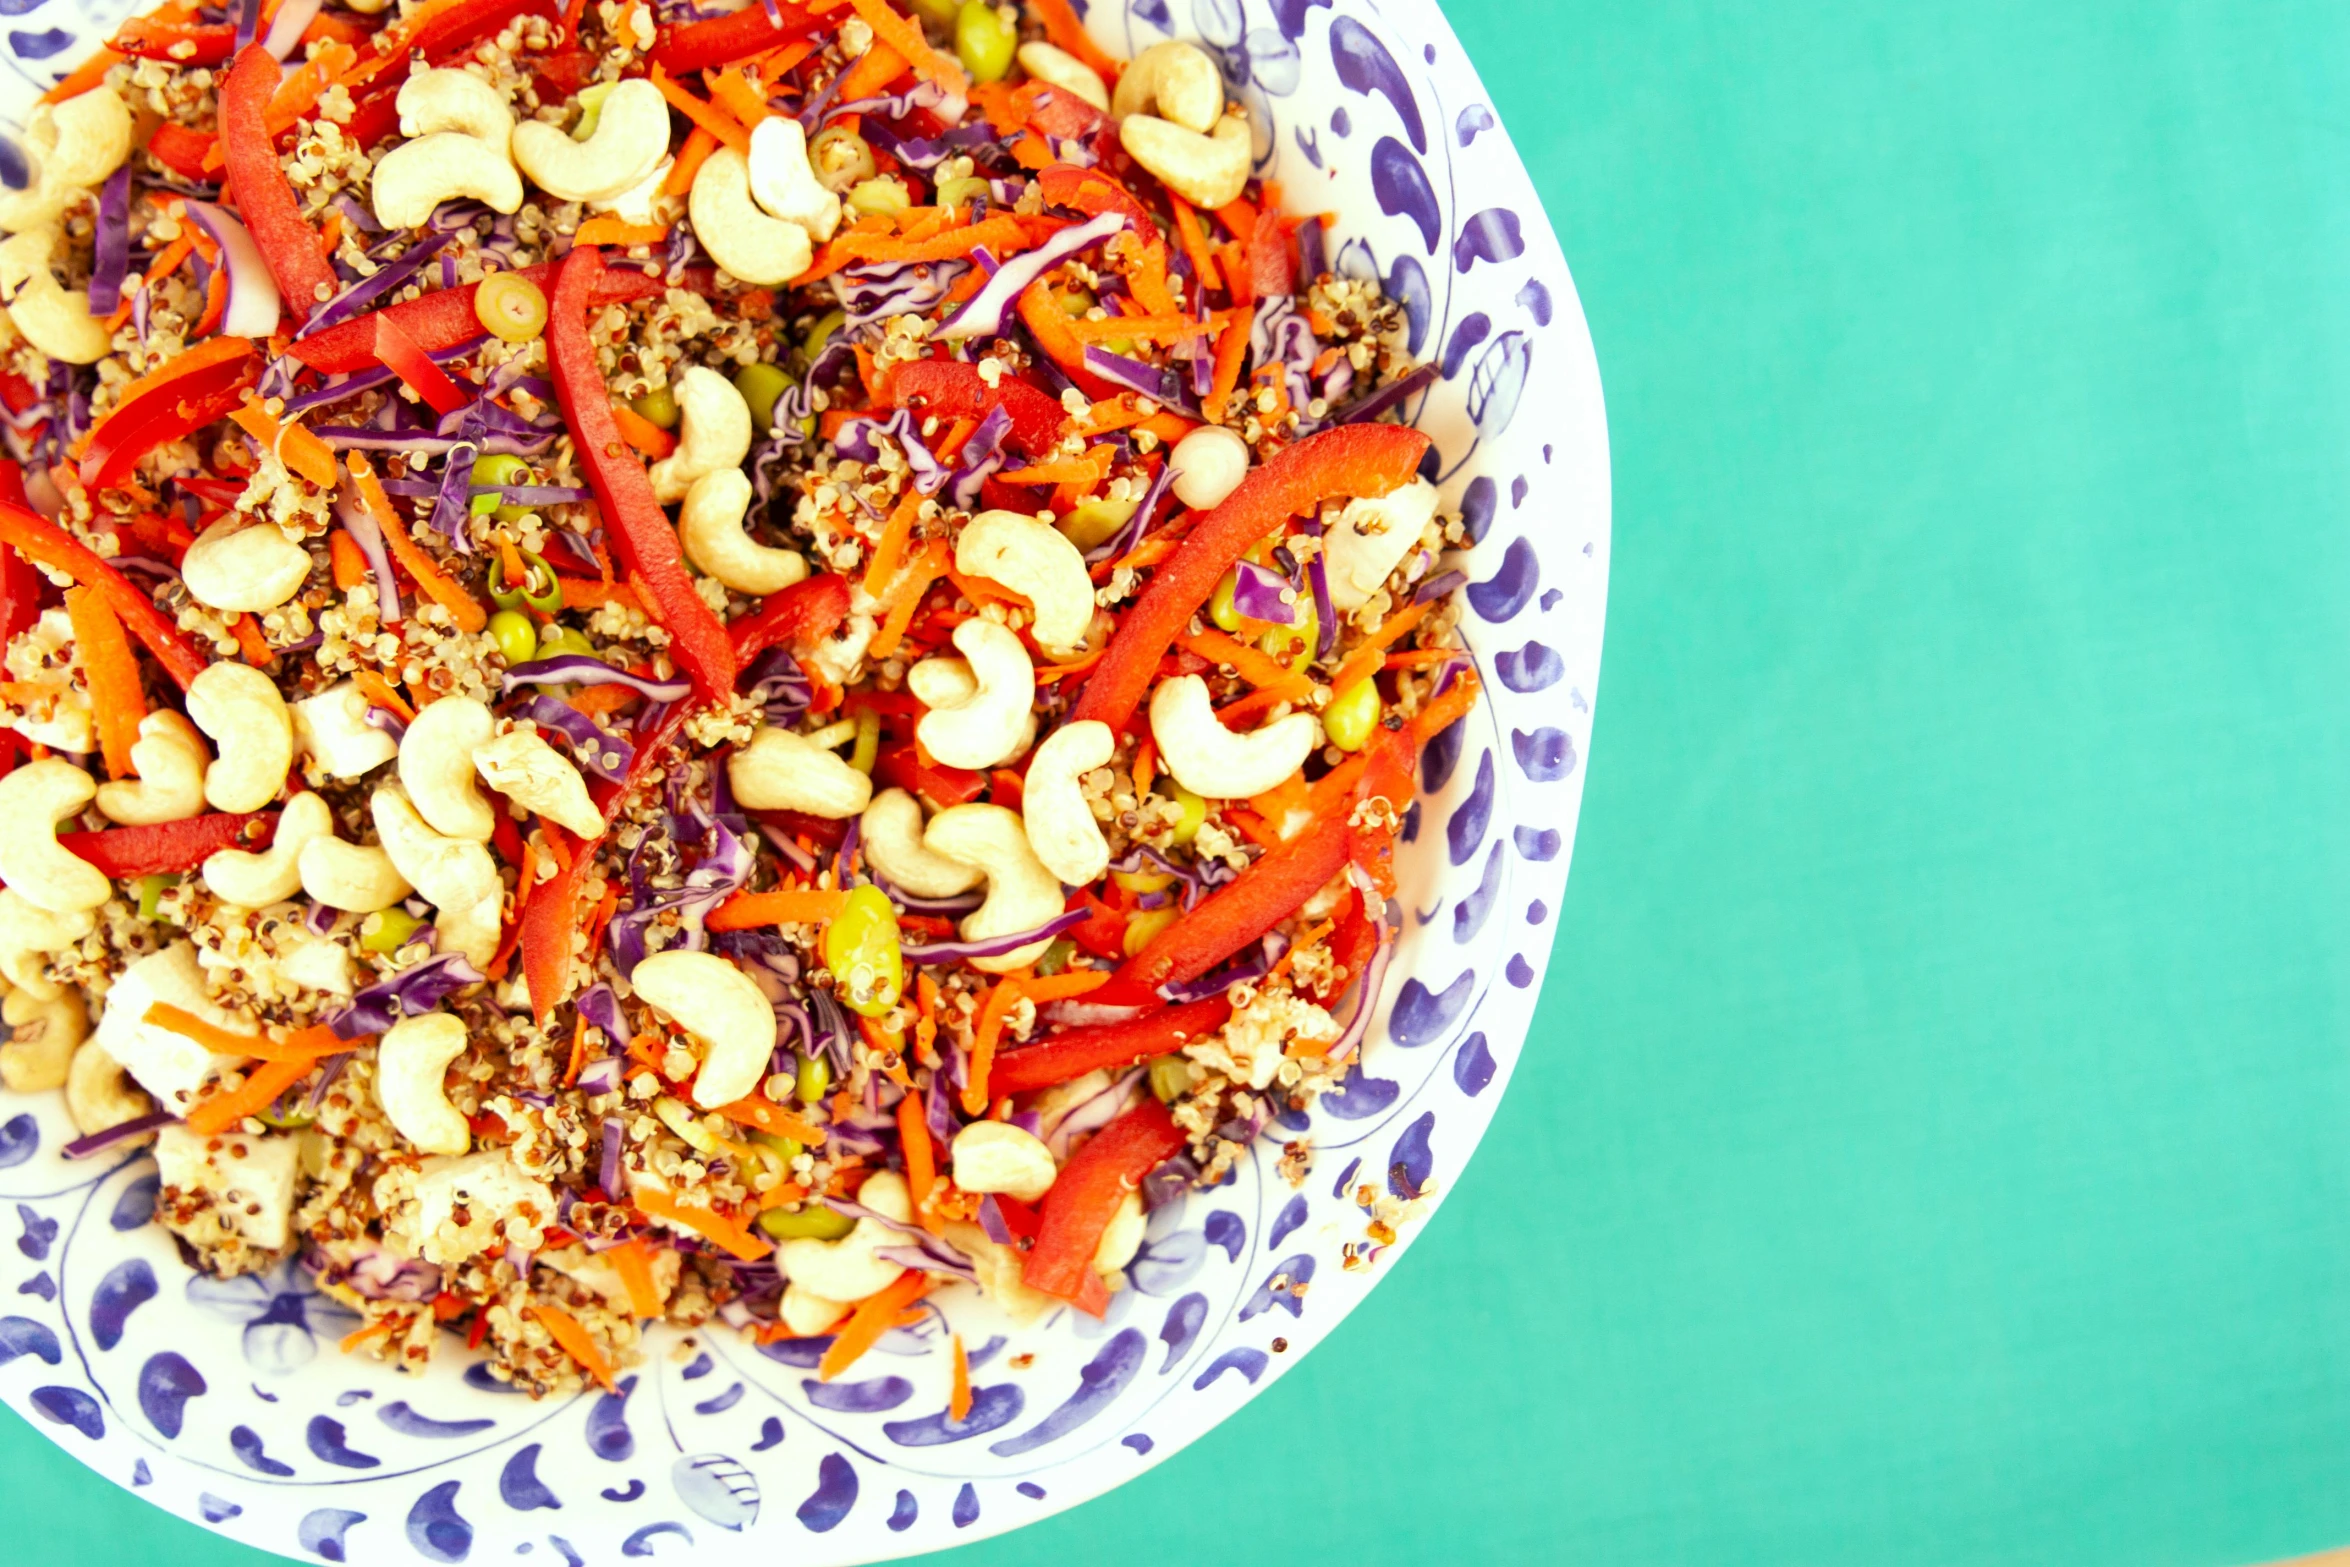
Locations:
(903, 34)
(437, 584)
(1050, 672)
(215, 303)
(1258, 668)
(634, 1263)
(959, 1397)
(889, 550)
(905, 596)
(723, 126)
(84, 77)
(699, 144)
(1003, 235)
(617, 231)
(768, 1116)
(1065, 30)
(775, 65)
(921, 1162)
(1144, 766)
(1149, 329)
(874, 1316)
(308, 1045)
(642, 433)
(564, 1328)
(732, 91)
(259, 1091)
(992, 1012)
(1365, 660)
(1194, 241)
(350, 565)
(875, 69)
(117, 700)
(1231, 349)
(382, 693)
(358, 1336)
(293, 444)
(749, 910)
(1089, 469)
(706, 1222)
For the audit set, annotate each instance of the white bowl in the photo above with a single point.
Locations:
(227, 1402)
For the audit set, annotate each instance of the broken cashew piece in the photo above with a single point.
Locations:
(55, 320)
(170, 760)
(1213, 762)
(1207, 171)
(354, 877)
(782, 771)
(30, 936)
(455, 875)
(239, 708)
(996, 1156)
(1021, 893)
(631, 139)
(742, 239)
(332, 730)
(713, 432)
(256, 880)
(411, 1070)
(74, 144)
(244, 567)
(436, 766)
(710, 526)
(1041, 565)
(1061, 828)
(848, 1268)
(1370, 539)
(417, 176)
(783, 182)
(725, 1012)
(99, 1093)
(534, 775)
(891, 833)
(33, 800)
(47, 1033)
(1175, 81)
(985, 729)
(1057, 67)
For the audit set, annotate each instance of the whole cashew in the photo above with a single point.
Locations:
(783, 182)
(1021, 893)
(30, 936)
(1371, 538)
(417, 176)
(1057, 67)
(631, 138)
(891, 833)
(743, 240)
(847, 1269)
(75, 144)
(1207, 171)
(40, 1054)
(999, 1270)
(1209, 464)
(99, 1094)
(710, 526)
(255, 881)
(170, 759)
(1061, 828)
(436, 766)
(781, 771)
(1174, 80)
(713, 431)
(33, 800)
(806, 1313)
(411, 1067)
(722, 1009)
(356, 878)
(984, 730)
(451, 100)
(249, 1177)
(45, 651)
(1209, 759)
(1122, 1238)
(534, 775)
(996, 1156)
(245, 567)
(332, 729)
(239, 707)
(1037, 562)
(53, 319)
(455, 875)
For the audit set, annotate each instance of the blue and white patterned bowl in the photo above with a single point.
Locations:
(227, 1403)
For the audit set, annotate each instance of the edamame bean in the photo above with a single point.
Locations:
(1170, 1078)
(984, 41)
(1352, 717)
(493, 471)
(517, 639)
(1145, 926)
(386, 929)
(861, 948)
(881, 196)
(555, 641)
(1195, 813)
(812, 1079)
(761, 385)
(813, 1222)
(1092, 523)
(658, 406)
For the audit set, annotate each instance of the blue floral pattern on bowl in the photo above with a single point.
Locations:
(225, 1401)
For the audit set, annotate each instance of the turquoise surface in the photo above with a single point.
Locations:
(1931, 1150)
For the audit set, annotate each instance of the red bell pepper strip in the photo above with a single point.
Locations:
(722, 40)
(1352, 460)
(147, 413)
(181, 150)
(1269, 260)
(1235, 915)
(444, 318)
(1093, 193)
(20, 585)
(1103, 931)
(288, 245)
(170, 848)
(144, 38)
(407, 359)
(45, 543)
(900, 766)
(1086, 1194)
(808, 611)
(955, 390)
(550, 914)
(648, 544)
(819, 830)
(1072, 1053)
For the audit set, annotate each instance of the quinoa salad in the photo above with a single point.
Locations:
(672, 665)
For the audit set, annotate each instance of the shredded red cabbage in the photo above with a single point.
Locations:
(582, 669)
(83, 1147)
(1415, 380)
(984, 311)
(405, 994)
(113, 255)
(1259, 594)
(253, 303)
(994, 946)
(605, 756)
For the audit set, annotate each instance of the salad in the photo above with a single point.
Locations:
(674, 665)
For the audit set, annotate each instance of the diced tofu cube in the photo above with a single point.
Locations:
(249, 1180)
(490, 1188)
(167, 1064)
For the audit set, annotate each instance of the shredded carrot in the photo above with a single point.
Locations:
(1365, 660)
(437, 584)
(1089, 469)
(1239, 219)
(634, 1263)
(875, 69)
(992, 1013)
(768, 1116)
(777, 64)
(1231, 349)
(749, 910)
(564, 1328)
(986, 590)
(1423, 658)
(1032, 151)
(874, 1316)
(358, 1336)
(1064, 986)
(733, 91)
(952, 442)
(723, 126)
(903, 34)
(699, 144)
(921, 1163)
(959, 1398)
(1258, 668)
(642, 433)
(706, 1222)
(616, 231)
(1194, 241)
(250, 642)
(1063, 28)
(117, 700)
(890, 549)
(1144, 766)
(1147, 329)
(1051, 672)
(582, 594)
(782, 1196)
(905, 596)
(307, 1045)
(293, 444)
(1001, 235)
(350, 564)
(215, 303)
(220, 1112)
(382, 693)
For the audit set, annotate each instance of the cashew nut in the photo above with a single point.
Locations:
(331, 729)
(1207, 171)
(450, 100)
(436, 766)
(358, 878)
(713, 432)
(30, 936)
(1209, 759)
(1038, 563)
(631, 138)
(99, 1094)
(942, 682)
(984, 729)
(235, 566)
(1057, 67)
(1021, 893)
(239, 707)
(999, 1270)
(847, 1269)
(73, 145)
(1061, 828)
(783, 182)
(46, 651)
(806, 1314)
(781, 771)
(1174, 80)
(722, 1009)
(411, 1064)
(48, 1032)
(743, 240)
(710, 526)
(1122, 1238)
(455, 875)
(534, 775)
(891, 834)
(255, 881)
(1209, 464)
(55, 320)
(1371, 538)
(417, 176)
(170, 759)
(33, 800)
(996, 1156)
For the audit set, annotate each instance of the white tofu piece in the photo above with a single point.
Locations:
(169, 1065)
(249, 1178)
(69, 725)
(319, 964)
(332, 729)
(596, 1272)
(1371, 539)
(492, 1188)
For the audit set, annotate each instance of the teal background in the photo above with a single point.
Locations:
(1931, 1148)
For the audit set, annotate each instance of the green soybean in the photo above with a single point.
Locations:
(760, 386)
(1170, 1078)
(658, 406)
(984, 41)
(1352, 717)
(386, 929)
(861, 948)
(815, 1222)
(517, 639)
(813, 1079)
(494, 471)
